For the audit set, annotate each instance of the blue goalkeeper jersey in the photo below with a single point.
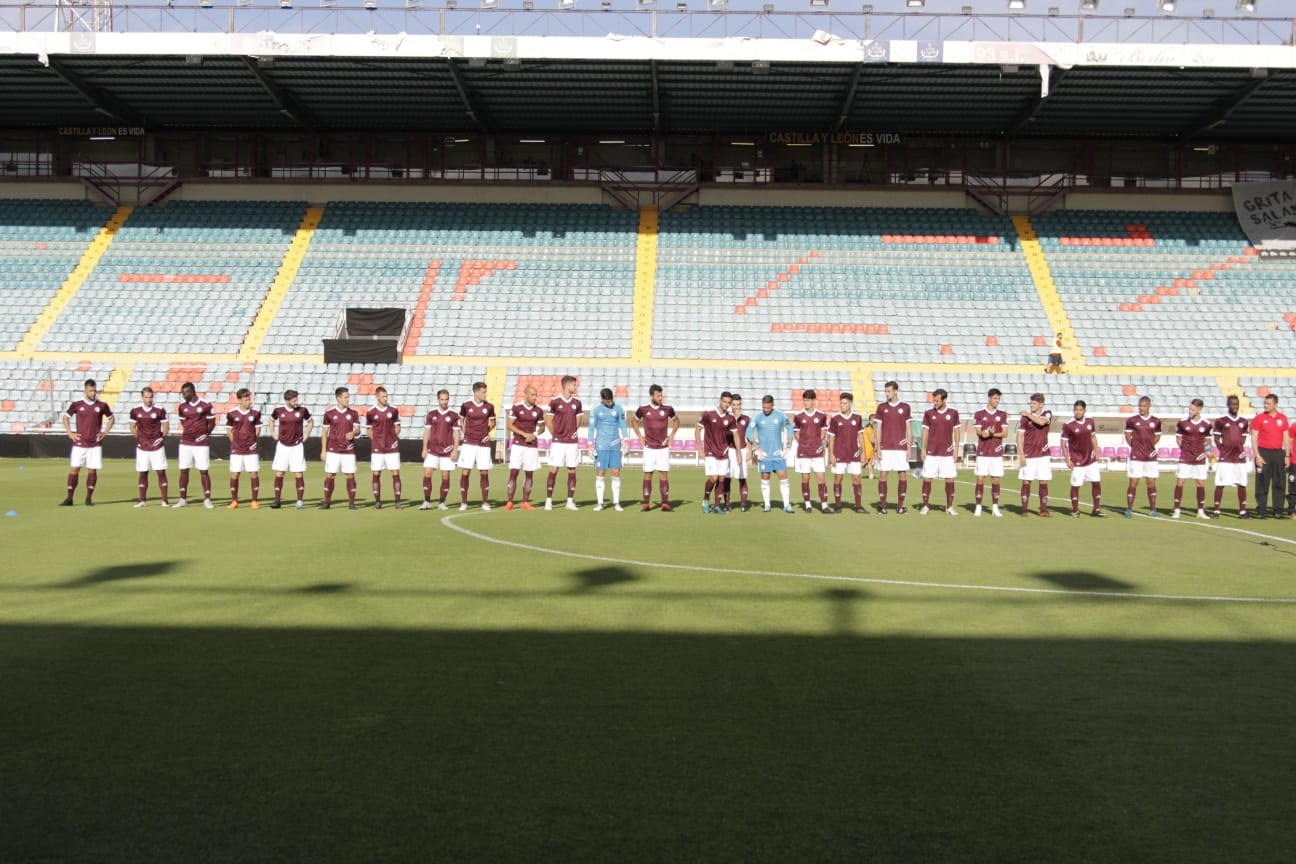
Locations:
(771, 432)
(607, 426)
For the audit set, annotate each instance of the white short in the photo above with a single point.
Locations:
(87, 457)
(1086, 474)
(737, 464)
(195, 456)
(893, 460)
(717, 467)
(989, 466)
(524, 458)
(851, 468)
(814, 465)
(939, 466)
(150, 460)
(1137, 470)
(564, 455)
(1188, 471)
(1036, 468)
(290, 457)
(384, 462)
(1232, 473)
(438, 463)
(339, 462)
(238, 463)
(475, 456)
(656, 460)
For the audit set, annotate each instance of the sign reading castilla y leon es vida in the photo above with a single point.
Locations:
(113, 131)
(858, 139)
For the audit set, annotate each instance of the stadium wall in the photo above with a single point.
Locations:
(322, 193)
(1197, 202)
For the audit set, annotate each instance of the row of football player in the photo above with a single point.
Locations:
(811, 439)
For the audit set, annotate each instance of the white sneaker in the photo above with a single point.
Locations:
(426, 505)
(207, 502)
(138, 504)
(618, 508)
(164, 505)
(548, 503)
(1202, 514)
(997, 511)
(809, 506)
(951, 511)
(978, 511)
(485, 507)
(825, 506)
(598, 507)
(924, 511)
(182, 503)
(571, 505)
(463, 507)
(767, 508)
(1175, 514)
(443, 506)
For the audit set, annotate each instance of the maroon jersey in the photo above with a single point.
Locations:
(245, 425)
(940, 424)
(291, 423)
(441, 427)
(195, 422)
(150, 426)
(1192, 440)
(845, 430)
(476, 422)
(1078, 437)
(655, 420)
(894, 422)
(1035, 441)
(811, 429)
(566, 418)
(739, 434)
(382, 423)
(337, 424)
(1231, 436)
(526, 419)
(88, 417)
(716, 429)
(1143, 438)
(992, 421)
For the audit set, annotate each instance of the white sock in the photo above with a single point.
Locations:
(616, 490)
(785, 492)
(600, 483)
(765, 490)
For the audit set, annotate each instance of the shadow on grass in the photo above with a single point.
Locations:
(1084, 580)
(122, 572)
(190, 744)
(326, 588)
(595, 578)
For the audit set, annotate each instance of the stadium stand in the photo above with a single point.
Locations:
(35, 393)
(560, 276)
(1168, 289)
(40, 243)
(187, 277)
(844, 284)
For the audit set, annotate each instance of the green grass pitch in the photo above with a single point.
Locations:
(195, 686)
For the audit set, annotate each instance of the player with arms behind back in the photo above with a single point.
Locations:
(341, 426)
(1142, 432)
(607, 440)
(770, 432)
(991, 425)
(290, 426)
(1231, 467)
(811, 437)
(1192, 436)
(563, 423)
(1080, 448)
(941, 436)
(845, 450)
(148, 424)
(525, 421)
(383, 422)
(478, 419)
(892, 420)
(243, 426)
(440, 443)
(655, 424)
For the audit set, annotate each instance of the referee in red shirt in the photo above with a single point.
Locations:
(1271, 444)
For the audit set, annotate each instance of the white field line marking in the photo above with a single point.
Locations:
(449, 522)
(1120, 512)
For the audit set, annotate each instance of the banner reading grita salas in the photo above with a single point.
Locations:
(1267, 213)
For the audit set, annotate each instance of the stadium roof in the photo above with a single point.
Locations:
(643, 84)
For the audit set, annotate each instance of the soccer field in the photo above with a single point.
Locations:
(192, 685)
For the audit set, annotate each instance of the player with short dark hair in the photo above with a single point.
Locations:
(1142, 432)
(1080, 449)
(563, 423)
(991, 425)
(441, 436)
(892, 421)
(607, 440)
(1192, 437)
(243, 427)
(770, 432)
(712, 437)
(738, 453)
(655, 424)
(477, 417)
(340, 427)
(148, 425)
(810, 434)
(941, 435)
(197, 419)
(846, 450)
(94, 420)
(290, 426)
(1032, 444)
(1231, 469)
(384, 426)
